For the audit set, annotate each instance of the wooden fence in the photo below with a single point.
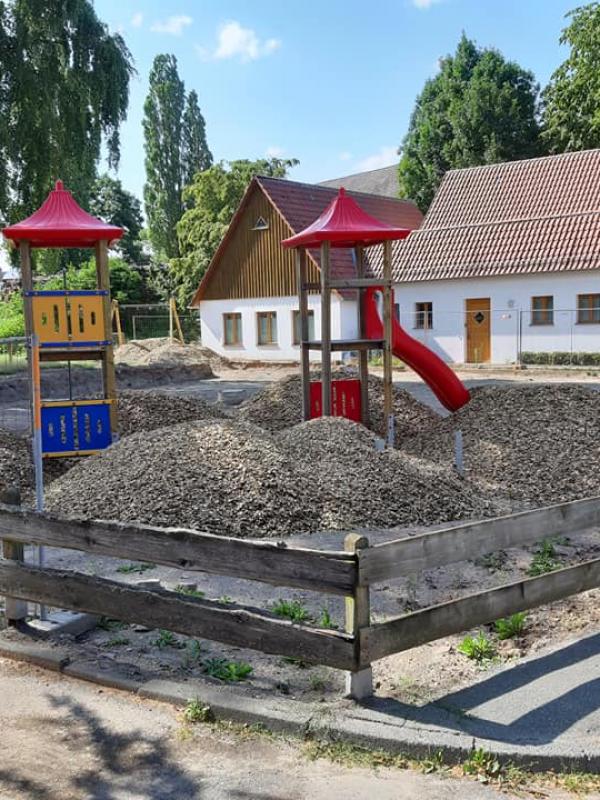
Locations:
(348, 573)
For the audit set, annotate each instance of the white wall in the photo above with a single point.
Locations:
(509, 297)
(211, 317)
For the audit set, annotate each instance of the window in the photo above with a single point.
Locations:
(423, 315)
(261, 224)
(542, 310)
(232, 328)
(588, 308)
(296, 323)
(267, 327)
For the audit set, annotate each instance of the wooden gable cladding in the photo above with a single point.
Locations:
(253, 263)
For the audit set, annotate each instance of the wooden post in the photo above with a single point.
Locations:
(304, 334)
(176, 320)
(116, 315)
(108, 359)
(363, 355)
(325, 330)
(359, 683)
(388, 302)
(170, 319)
(14, 610)
(27, 286)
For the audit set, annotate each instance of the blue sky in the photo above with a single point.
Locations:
(330, 82)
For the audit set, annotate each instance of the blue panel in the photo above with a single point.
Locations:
(93, 427)
(67, 293)
(58, 429)
(99, 343)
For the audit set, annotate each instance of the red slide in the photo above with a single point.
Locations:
(446, 386)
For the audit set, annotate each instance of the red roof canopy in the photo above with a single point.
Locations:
(61, 222)
(345, 224)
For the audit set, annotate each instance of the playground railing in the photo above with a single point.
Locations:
(349, 573)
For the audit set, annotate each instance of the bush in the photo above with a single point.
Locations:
(12, 321)
(561, 359)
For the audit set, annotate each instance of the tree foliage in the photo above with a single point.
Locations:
(126, 282)
(213, 197)
(64, 90)
(479, 109)
(572, 98)
(117, 206)
(176, 148)
(195, 153)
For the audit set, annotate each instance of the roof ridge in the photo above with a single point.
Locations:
(506, 221)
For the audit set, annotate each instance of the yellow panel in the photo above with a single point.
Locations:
(87, 318)
(50, 321)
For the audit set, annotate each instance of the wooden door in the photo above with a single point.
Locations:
(478, 330)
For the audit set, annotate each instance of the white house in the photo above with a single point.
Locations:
(505, 266)
(248, 298)
(506, 262)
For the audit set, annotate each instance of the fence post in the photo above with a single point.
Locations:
(14, 610)
(359, 683)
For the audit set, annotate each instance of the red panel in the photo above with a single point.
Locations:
(345, 399)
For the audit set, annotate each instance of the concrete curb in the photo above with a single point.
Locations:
(367, 725)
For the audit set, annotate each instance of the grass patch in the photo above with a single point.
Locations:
(228, 671)
(545, 559)
(292, 610)
(349, 755)
(477, 648)
(509, 627)
(189, 592)
(108, 624)
(325, 620)
(135, 569)
(166, 639)
(196, 711)
(117, 641)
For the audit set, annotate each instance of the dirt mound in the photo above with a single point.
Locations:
(166, 354)
(233, 478)
(540, 444)
(279, 406)
(146, 411)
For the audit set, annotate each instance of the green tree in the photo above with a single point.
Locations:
(571, 100)
(115, 205)
(195, 153)
(163, 111)
(64, 90)
(479, 109)
(126, 283)
(213, 198)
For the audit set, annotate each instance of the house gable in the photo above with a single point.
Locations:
(250, 261)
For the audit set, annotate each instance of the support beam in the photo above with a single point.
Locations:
(388, 310)
(108, 360)
(325, 330)
(363, 355)
(304, 332)
(359, 682)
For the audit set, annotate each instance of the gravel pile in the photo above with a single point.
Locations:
(146, 411)
(163, 353)
(279, 406)
(234, 478)
(538, 444)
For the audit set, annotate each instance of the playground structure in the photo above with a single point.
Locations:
(345, 224)
(65, 325)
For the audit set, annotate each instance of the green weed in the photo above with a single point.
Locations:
(195, 711)
(325, 620)
(292, 610)
(108, 624)
(225, 599)
(477, 648)
(230, 671)
(545, 559)
(509, 627)
(188, 591)
(166, 639)
(137, 569)
(117, 641)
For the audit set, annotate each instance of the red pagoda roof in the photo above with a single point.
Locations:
(345, 224)
(61, 222)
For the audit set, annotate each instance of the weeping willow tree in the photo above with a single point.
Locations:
(64, 92)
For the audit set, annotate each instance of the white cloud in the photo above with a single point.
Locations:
(424, 3)
(137, 20)
(385, 157)
(235, 41)
(174, 25)
(273, 151)
(345, 155)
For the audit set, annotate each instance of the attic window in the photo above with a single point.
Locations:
(261, 224)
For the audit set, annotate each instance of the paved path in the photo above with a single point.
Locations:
(67, 740)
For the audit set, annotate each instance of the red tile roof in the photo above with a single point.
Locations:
(301, 203)
(521, 217)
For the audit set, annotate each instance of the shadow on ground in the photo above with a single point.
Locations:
(533, 703)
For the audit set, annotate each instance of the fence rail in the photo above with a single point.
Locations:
(350, 573)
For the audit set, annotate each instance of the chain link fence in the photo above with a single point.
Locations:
(155, 321)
